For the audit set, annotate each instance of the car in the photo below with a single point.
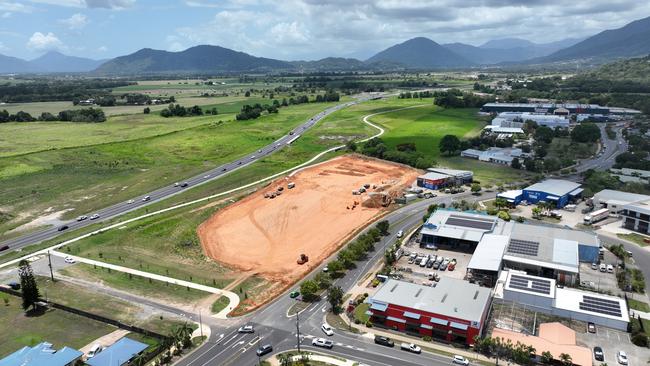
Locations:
(400, 234)
(294, 294)
(436, 265)
(130, 201)
(411, 347)
(598, 354)
(176, 184)
(384, 341)
(291, 133)
(206, 176)
(94, 350)
(81, 218)
(610, 268)
(246, 329)
(14, 285)
(594, 265)
(69, 260)
(451, 266)
(262, 350)
(63, 227)
(322, 342)
(223, 170)
(327, 329)
(591, 327)
(603, 267)
(239, 163)
(460, 360)
(621, 357)
(259, 151)
(326, 269)
(94, 217)
(146, 198)
(443, 266)
(184, 184)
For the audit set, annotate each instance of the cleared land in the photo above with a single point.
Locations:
(265, 236)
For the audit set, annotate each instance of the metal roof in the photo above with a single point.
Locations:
(118, 354)
(607, 195)
(450, 297)
(488, 254)
(557, 187)
(40, 355)
(434, 176)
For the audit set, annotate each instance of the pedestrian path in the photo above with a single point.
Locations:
(234, 298)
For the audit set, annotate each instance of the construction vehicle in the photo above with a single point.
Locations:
(302, 259)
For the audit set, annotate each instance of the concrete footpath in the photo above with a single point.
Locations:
(234, 298)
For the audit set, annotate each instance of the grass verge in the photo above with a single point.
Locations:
(635, 238)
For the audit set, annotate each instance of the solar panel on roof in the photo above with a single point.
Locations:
(537, 285)
(600, 305)
(526, 247)
(470, 223)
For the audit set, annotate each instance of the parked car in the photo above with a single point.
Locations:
(411, 347)
(598, 354)
(69, 260)
(460, 360)
(594, 265)
(384, 341)
(327, 329)
(294, 294)
(262, 350)
(621, 357)
(610, 268)
(591, 327)
(451, 266)
(603, 267)
(322, 342)
(248, 328)
(94, 350)
(443, 266)
(436, 265)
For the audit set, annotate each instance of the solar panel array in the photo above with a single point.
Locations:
(526, 247)
(601, 306)
(473, 222)
(540, 286)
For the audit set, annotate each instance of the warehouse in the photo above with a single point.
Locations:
(637, 216)
(459, 177)
(452, 310)
(545, 108)
(485, 265)
(616, 200)
(557, 191)
(460, 229)
(437, 178)
(517, 119)
(496, 155)
(543, 295)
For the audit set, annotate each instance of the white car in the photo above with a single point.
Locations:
(70, 260)
(621, 357)
(130, 201)
(81, 218)
(322, 342)
(411, 347)
(246, 329)
(252, 157)
(327, 329)
(610, 268)
(206, 176)
(400, 234)
(460, 360)
(146, 198)
(96, 348)
(94, 217)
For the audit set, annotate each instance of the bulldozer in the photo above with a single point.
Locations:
(302, 259)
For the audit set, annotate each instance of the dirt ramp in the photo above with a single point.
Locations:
(266, 232)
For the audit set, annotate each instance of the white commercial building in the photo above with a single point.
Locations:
(616, 200)
(517, 119)
(496, 155)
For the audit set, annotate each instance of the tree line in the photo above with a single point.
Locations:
(254, 111)
(456, 98)
(177, 110)
(404, 153)
(49, 90)
(71, 115)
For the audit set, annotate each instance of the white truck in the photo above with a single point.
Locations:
(596, 216)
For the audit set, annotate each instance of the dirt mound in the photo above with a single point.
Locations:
(267, 231)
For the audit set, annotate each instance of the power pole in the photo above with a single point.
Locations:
(201, 324)
(298, 330)
(49, 259)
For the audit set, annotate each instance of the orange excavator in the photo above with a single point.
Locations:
(302, 259)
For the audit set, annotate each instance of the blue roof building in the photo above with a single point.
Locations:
(118, 354)
(557, 191)
(42, 355)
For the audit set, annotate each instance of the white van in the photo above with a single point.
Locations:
(94, 350)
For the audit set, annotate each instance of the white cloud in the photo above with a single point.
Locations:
(102, 49)
(93, 4)
(10, 6)
(75, 22)
(44, 42)
(3, 48)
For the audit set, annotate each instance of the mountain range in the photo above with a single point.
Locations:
(419, 53)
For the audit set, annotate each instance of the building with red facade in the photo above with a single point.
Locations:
(453, 310)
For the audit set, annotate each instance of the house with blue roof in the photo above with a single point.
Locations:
(118, 354)
(42, 355)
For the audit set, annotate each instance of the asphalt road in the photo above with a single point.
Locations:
(610, 150)
(273, 326)
(168, 191)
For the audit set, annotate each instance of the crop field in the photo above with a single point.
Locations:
(85, 178)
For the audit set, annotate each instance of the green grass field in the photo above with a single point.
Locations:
(134, 284)
(55, 326)
(638, 305)
(634, 238)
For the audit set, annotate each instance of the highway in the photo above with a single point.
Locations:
(170, 190)
(609, 151)
(273, 326)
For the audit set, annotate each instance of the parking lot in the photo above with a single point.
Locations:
(409, 265)
(600, 281)
(612, 341)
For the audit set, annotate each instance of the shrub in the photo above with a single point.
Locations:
(640, 340)
(427, 339)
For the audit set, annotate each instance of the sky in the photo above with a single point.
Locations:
(293, 29)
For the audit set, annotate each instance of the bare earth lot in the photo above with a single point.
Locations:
(265, 236)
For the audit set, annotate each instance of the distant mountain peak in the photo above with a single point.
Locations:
(420, 53)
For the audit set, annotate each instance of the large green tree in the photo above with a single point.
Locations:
(335, 298)
(28, 286)
(309, 290)
(449, 144)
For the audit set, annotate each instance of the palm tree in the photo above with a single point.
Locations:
(284, 359)
(547, 357)
(566, 359)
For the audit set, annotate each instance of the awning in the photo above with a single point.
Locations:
(411, 315)
(379, 306)
(576, 192)
(426, 326)
(391, 318)
(439, 321)
(554, 198)
(459, 326)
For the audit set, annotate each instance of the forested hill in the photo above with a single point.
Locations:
(635, 69)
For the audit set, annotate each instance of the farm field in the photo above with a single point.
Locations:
(55, 326)
(85, 178)
(265, 236)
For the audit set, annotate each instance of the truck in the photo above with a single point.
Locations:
(596, 216)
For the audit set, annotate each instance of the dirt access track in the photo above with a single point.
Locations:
(265, 236)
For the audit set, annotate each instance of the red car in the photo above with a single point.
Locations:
(451, 266)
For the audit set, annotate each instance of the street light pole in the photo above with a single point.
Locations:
(298, 330)
(49, 259)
